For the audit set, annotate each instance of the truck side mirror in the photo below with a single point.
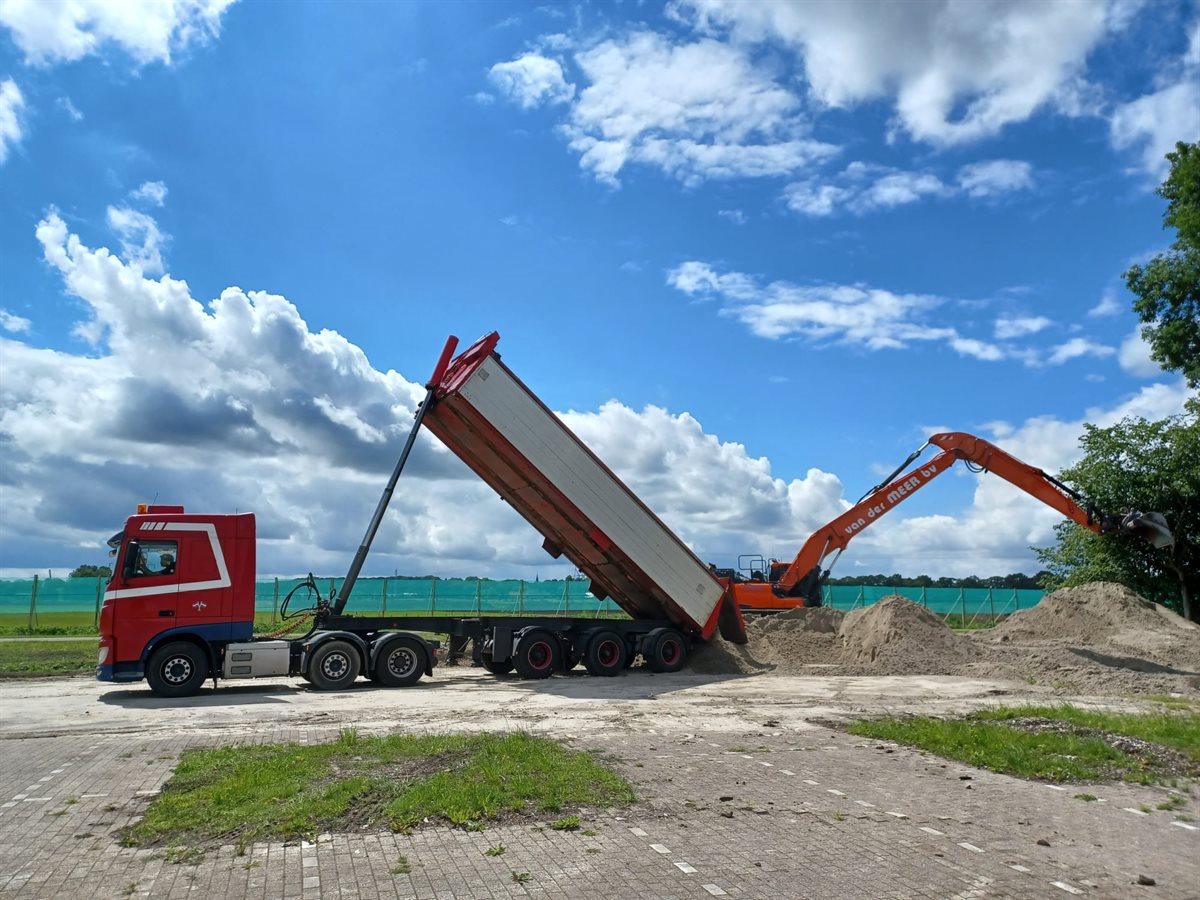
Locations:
(131, 554)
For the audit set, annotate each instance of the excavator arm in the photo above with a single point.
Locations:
(802, 578)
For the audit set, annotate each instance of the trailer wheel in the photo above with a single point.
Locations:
(537, 654)
(606, 654)
(177, 669)
(503, 667)
(665, 650)
(333, 666)
(400, 663)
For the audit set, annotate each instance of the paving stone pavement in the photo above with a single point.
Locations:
(767, 814)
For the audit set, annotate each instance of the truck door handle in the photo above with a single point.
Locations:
(166, 612)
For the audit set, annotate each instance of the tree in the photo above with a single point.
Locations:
(88, 571)
(1145, 466)
(1168, 287)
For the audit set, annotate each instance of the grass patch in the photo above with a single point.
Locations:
(29, 659)
(1059, 743)
(291, 791)
(566, 823)
(1180, 732)
(1087, 798)
(497, 850)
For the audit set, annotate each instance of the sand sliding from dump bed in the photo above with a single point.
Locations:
(1097, 637)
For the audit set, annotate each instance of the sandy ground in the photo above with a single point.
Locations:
(470, 699)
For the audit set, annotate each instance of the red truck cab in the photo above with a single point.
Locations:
(176, 577)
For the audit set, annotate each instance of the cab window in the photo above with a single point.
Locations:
(156, 558)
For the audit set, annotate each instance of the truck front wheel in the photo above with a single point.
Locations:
(177, 669)
(333, 666)
(400, 663)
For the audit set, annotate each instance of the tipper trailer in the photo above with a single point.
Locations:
(179, 607)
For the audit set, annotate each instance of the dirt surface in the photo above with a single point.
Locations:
(1096, 639)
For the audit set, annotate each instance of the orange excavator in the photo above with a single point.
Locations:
(776, 585)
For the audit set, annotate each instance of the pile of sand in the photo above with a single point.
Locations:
(1104, 616)
(722, 657)
(1097, 638)
(892, 637)
(901, 636)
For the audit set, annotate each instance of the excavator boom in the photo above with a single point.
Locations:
(800, 581)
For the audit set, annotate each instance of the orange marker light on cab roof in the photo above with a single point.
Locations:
(142, 507)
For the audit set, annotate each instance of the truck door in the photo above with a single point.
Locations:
(145, 591)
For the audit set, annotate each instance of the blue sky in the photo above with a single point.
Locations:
(753, 253)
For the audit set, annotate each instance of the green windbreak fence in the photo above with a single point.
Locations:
(26, 600)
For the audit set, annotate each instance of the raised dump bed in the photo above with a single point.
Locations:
(499, 428)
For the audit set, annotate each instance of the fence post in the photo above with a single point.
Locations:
(33, 603)
(859, 600)
(433, 596)
(962, 606)
(567, 595)
(992, 606)
(275, 602)
(924, 596)
(479, 596)
(99, 579)
(521, 599)
(383, 598)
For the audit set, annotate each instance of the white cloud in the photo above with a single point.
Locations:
(13, 323)
(696, 111)
(1074, 349)
(148, 30)
(1018, 327)
(531, 80)
(65, 104)
(736, 216)
(899, 188)
(863, 188)
(1109, 305)
(1153, 123)
(814, 199)
(12, 126)
(859, 315)
(154, 192)
(1134, 356)
(994, 177)
(141, 239)
(240, 404)
(955, 71)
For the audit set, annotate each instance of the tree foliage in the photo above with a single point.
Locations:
(1145, 466)
(89, 571)
(1168, 287)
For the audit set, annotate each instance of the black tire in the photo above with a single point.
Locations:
(538, 654)
(665, 650)
(400, 663)
(606, 654)
(503, 667)
(177, 669)
(334, 665)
